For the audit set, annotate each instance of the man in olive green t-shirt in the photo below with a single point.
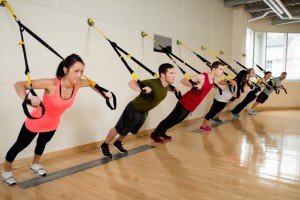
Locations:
(135, 113)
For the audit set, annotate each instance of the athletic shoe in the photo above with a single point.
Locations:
(105, 151)
(37, 169)
(118, 145)
(205, 128)
(235, 115)
(8, 178)
(251, 112)
(217, 120)
(156, 139)
(164, 136)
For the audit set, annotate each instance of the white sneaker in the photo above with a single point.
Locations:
(8, 178)
(251, 112)
(38, 169)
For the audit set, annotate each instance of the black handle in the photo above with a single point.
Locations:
(28, 101)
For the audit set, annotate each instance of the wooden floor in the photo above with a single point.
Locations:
(247, 158)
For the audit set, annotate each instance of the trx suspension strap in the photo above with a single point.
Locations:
(27, 72)
(172, 56)
(249, 83)
(102, 90)
(118, 49)
(206, 62)
(271, 82)
(257, 76)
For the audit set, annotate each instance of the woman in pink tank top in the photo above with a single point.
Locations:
(59, 94)
(189, 102)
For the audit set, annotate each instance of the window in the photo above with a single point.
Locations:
(259, 52)
(275, 61)
(249, 48)
(293, 56)
(275, 52)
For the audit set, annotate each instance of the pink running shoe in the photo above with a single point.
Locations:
(205, 128)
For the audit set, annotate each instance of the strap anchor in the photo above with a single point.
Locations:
(90, 22)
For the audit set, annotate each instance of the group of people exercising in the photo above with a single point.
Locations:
(59, 94)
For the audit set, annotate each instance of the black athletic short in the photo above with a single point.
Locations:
(131, 120)
(262, 97)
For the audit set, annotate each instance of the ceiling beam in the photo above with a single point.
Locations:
(229, 3)
(294, 9)
(278, 21)
(257, 8)
(270, 14)
(291, 2)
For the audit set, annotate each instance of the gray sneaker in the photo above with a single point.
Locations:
(251, 112)
(8, 178)
(38, 169)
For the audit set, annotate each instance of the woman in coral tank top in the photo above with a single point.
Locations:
(59, 94)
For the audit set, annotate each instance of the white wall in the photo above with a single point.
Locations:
(63, 25)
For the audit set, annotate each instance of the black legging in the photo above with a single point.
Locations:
(250, 97)
(24, 139)
(216, 107)
(178, 114)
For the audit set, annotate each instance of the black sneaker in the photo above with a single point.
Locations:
(156, 139)
(105, 152)
(165, 136)
(118, 145)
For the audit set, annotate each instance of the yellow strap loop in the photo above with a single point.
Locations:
(146, 34)
(93, 83)
(21, 43)
(9, 9)
(156, 76)
(134, 76)
(98, 30)
(180, 42)
(128, 56)
(28, 79)
(229, 76)
(211, 53)
(187, 76)
(222, 77)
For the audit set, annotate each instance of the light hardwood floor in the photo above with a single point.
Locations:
(253, 157)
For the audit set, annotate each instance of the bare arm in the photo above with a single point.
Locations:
(86, 83)
(232, 82)
(135, 86)
(198, 78)
(47, 84)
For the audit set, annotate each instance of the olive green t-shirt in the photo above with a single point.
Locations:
(159, 93)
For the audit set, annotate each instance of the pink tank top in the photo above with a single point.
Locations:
(54, 106)
(191, 99)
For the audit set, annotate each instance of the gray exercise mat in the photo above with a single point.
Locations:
(78, 168)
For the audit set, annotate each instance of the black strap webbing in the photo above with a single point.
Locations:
(22, 28)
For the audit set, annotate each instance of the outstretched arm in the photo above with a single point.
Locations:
(47, 84)
(198, 78)
(86, 83)
(135, 86)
